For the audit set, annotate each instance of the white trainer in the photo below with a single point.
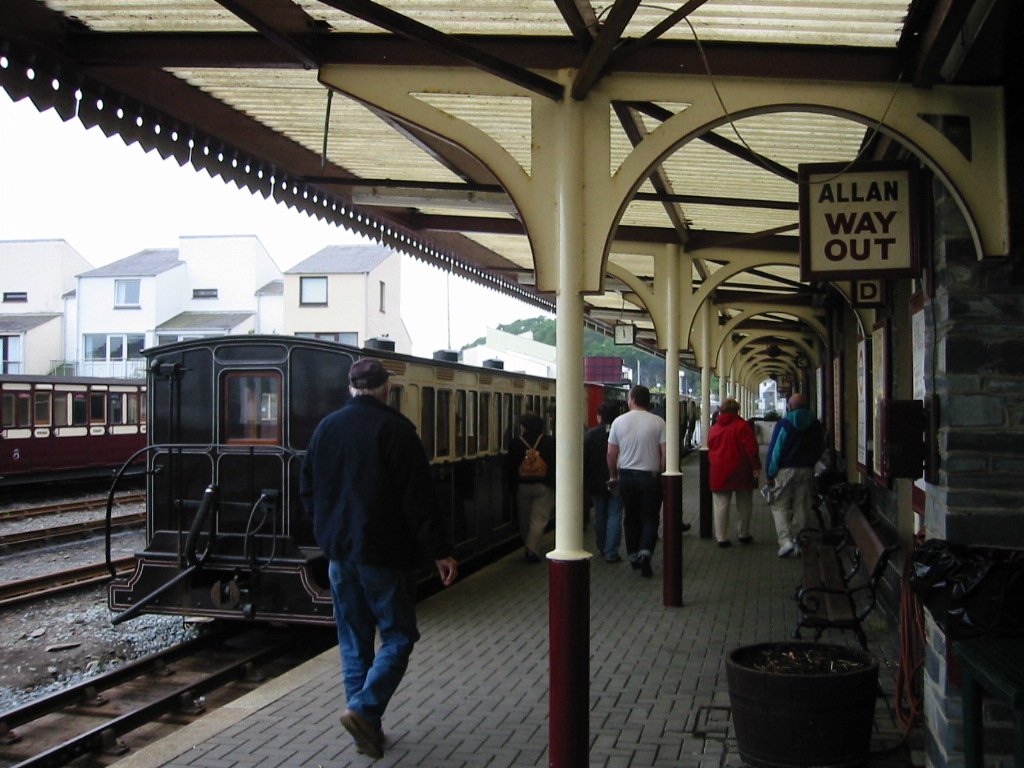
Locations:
(787, 549)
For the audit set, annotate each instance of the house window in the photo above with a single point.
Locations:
(351, 338)
(126, 293)
(313, 291)
(10, 354)
(114, 347)
(15, 296)
(382, 296)
(204, 293)
(170, 338)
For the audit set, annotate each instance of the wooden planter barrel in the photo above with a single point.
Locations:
(798, 719)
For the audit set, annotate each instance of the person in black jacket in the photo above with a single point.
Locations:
(366, 483)
(534, 493)
(607, 505)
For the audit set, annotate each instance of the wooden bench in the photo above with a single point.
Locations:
(994, 666)
(841, 571)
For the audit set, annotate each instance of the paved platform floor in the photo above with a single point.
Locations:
(476, 691)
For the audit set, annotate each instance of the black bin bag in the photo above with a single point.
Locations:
(970, 591)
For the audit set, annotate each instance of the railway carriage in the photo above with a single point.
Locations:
(229, 421)
(68, 428)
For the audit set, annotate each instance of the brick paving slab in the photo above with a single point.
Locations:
(476, 691)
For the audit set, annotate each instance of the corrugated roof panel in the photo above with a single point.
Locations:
(637, 264)
(525, 17)
(874, 23)
(505, 119)
(294, 103)
(151, 15)
(515, 248)
(827, 22)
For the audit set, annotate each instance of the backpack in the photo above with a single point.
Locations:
(533, 466)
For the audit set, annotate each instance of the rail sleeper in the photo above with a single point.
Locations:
(841, 572)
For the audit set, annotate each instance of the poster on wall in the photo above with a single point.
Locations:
(819, 383)
(918, 338)
(837, 400)
(879, 381)
(862, 404)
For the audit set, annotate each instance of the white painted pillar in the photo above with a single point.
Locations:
(705, 373)
(570, 413)
(672, 257)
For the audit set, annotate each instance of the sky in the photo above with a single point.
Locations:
(108, 201)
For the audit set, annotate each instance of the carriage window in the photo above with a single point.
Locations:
(485, 421)
(43, 413)
(60, 409)
(509, 427)
(97, 408)
(133, 409)
(252, 412)
(460, 422)
(427, 420)
(16, 409)
(471, 423)
(79, 410)
(116, 409)
(442, 422)
(395, 398)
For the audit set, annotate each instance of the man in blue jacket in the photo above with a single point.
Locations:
(366, 482)
(796, 445)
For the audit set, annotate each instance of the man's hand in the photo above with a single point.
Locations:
(448, 569)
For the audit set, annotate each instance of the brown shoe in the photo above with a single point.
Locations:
(369, 740)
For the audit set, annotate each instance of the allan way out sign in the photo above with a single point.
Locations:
(858, 222)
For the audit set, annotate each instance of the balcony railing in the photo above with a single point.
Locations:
(110, 369)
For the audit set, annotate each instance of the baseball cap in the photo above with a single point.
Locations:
(367, 373)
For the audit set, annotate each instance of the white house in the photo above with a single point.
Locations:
(347, 294)
(35, 278)
(209, 286)
(518, 353)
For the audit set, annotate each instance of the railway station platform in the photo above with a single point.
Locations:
(476, 693)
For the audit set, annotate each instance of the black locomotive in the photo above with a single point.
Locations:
(229, 421)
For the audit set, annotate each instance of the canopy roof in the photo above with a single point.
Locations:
(232, 87)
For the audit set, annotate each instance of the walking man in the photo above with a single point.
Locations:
(607, 505)
(735, 467)
(636, 461)
(796, 445)
(366, 483)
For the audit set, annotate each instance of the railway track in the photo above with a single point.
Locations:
(25, 590)
(79, 505)
(51, 534)
(102, 716)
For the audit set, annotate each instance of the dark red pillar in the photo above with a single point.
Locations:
(672, 540)
(569, 639)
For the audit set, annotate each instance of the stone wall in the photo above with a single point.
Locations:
(979, 377)
(976, 328)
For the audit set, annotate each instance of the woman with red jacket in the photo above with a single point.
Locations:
(735, 467)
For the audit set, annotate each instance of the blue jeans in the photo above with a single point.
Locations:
(641, 504)
(607, 523)
(368, 598)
